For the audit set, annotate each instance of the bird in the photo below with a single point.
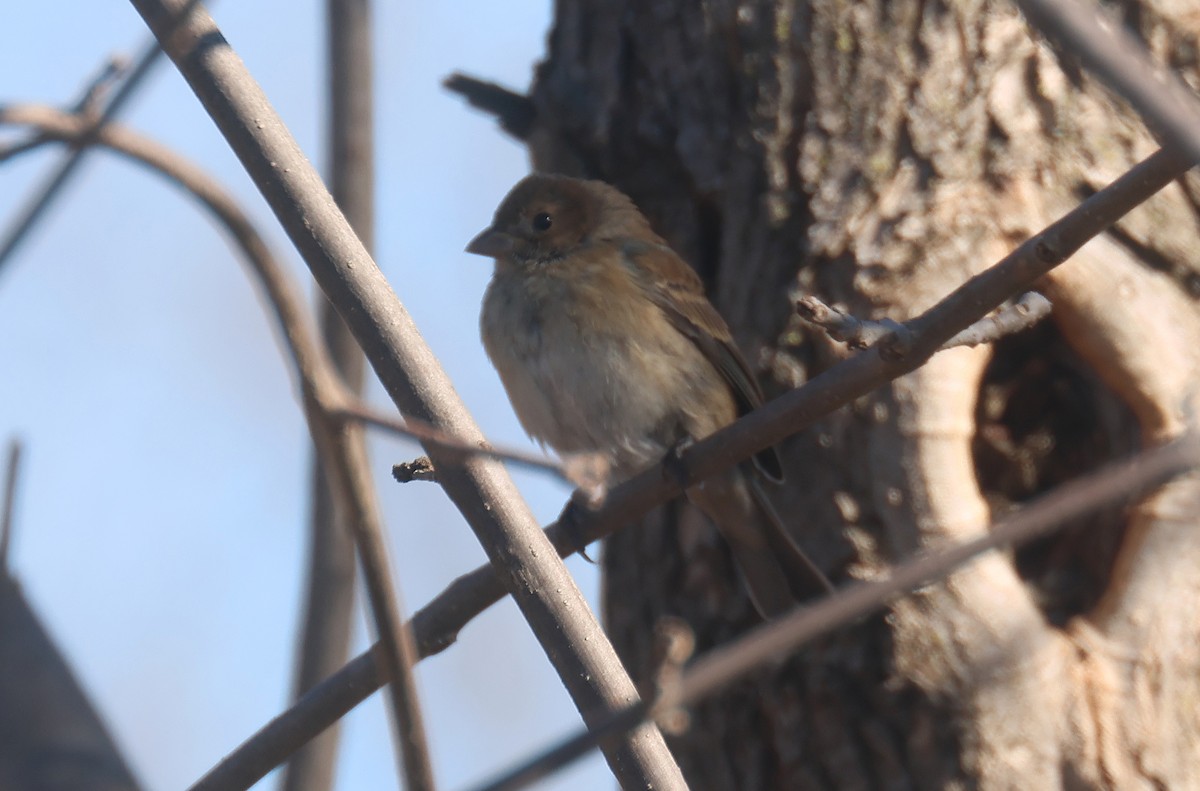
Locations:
(606, 343)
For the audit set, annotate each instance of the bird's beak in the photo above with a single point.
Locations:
(492, 243)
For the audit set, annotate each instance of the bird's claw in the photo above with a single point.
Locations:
(674, 466)
(572, 529)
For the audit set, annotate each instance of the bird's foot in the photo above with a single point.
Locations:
(674, 465)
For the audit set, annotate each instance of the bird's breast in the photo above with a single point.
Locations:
(592, 365)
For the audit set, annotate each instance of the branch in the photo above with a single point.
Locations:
(1026, 311)
(18, 147)
(436, 626)
(481, 489)
(1116, 483)
(458, 449)
(858, 333)
(89, 104)
(340, 448)
(329, 600)
(27, 218)
(514, 111)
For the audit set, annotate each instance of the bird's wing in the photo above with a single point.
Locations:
(677, 290)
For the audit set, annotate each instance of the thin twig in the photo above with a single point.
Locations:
(1164, 100)
(481, 489)
(88, 106)
(1116, 483)
(89, 103)
(27, 218)
(321, 389)
(18, 147)
(1026, 311)
(841, 326)
(858, 333)
(451, 447)
(9, 504)
(437, 625)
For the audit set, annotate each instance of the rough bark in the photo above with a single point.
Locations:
(875, 154)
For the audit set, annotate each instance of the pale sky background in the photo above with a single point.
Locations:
(162, 513)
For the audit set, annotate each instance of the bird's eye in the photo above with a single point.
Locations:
(542, 222)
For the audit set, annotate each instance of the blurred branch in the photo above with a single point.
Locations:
(457, 449)
(544, 590)
(9, 505)
(27, 218)
(90, 103)
(16, 148)
(329, 600)
(513, 111)
(1170, 108)
(436, 626)
(1113, 485)
(858, 333)
(339, 445)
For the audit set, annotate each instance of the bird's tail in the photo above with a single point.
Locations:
(777, 572)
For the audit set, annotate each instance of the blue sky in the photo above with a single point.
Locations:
(161, 520)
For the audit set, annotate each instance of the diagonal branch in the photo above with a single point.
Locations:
(858, 333)
(481, 489)
(19, 229)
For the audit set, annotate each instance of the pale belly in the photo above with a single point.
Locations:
(629, 386)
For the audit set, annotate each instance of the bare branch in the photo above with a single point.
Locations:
(1026, 311)
(513, 111)
(841, 326)
(1109, 51)
(481, 489)
(1114, 484)
(329, 601)
(9, 505)
(858, 333)
(89, 104)
(436, 626)
(18, 147)
(37, 206)
(451, 447)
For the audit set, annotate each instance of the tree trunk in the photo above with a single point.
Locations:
(876, 154)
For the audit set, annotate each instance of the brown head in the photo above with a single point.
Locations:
(544, 217)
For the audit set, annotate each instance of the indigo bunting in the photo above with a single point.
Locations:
(606, 344)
